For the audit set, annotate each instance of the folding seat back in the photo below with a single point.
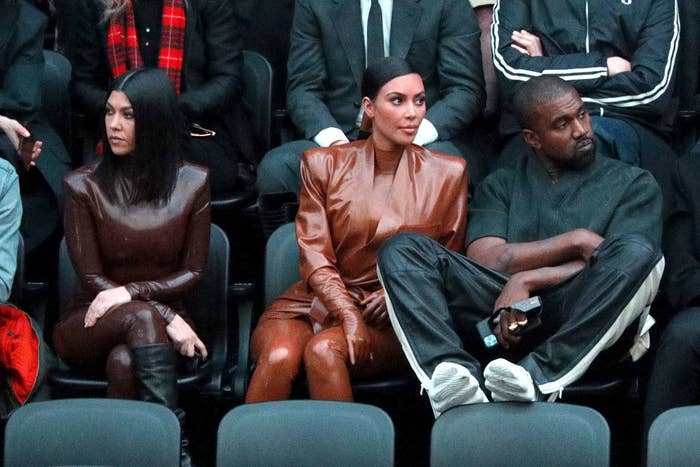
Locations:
(673, 438)
(520, 434)
(308, 433)
(92, 432)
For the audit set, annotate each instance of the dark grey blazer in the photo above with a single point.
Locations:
(440, 38)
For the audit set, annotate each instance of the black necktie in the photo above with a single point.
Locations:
(375, 33)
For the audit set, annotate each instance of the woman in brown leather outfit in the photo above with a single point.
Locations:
(355, 196)
(137, 230)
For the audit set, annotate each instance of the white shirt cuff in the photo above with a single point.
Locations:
(329, 135)
(426, 134)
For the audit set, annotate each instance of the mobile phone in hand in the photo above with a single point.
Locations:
(26, 148)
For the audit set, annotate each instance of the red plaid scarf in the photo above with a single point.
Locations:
(123, 48)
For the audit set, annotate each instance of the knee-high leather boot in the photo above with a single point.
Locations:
(155, 367)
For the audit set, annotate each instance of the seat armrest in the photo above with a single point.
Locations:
(243, 294)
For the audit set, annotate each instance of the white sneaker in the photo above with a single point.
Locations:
(509, 382)
(452, 385)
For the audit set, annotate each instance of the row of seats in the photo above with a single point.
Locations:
(224, 315)
(318, 433)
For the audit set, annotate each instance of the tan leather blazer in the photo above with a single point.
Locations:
(333, 226)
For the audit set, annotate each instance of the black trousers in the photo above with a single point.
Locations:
(435, 297)
(675, 378)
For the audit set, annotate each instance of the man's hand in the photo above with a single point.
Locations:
(514, 291)
(527, 43)
(617, 65)
(374, 311)
(339, 142)
(586, 242)
(105, 301)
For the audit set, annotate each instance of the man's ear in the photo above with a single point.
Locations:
(531, 138)
(368, 106)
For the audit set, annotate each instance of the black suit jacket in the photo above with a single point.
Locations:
(21, 69)
(440, 38)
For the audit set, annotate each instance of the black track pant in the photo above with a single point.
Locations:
(435, 297)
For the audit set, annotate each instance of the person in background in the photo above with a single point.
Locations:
(40, 180)
(620, 56)
(197, 43)
(675, 376)
(332, 43)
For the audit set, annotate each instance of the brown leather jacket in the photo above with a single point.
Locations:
(157, 253)
(338, 245)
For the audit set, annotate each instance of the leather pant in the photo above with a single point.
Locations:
(280, 347)
(107, 345)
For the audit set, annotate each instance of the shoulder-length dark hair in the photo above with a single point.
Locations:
(149, 174)
(380, 72)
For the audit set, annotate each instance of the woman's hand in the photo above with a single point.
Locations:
(357, 336)
(105, 301)
(185, 340)
(374, 311)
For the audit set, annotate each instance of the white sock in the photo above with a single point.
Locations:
(509, 382)
(452, 385)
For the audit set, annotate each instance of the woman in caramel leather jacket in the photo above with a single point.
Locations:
(137, 230)
(355, 196)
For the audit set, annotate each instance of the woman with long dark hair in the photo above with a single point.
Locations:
(197, 44)
(355, 196)
(137, 230)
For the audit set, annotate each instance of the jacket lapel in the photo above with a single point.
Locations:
(348, 23)
(404, 21)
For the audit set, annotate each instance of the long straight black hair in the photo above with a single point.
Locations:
(149, 174)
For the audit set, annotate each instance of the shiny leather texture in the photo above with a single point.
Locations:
(340, 228)
(157, 252)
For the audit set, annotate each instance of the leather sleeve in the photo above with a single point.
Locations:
(193, 258)
(81, 238)
(317, 260)
(167, 312)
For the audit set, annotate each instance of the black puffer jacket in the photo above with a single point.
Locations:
(577, 37)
